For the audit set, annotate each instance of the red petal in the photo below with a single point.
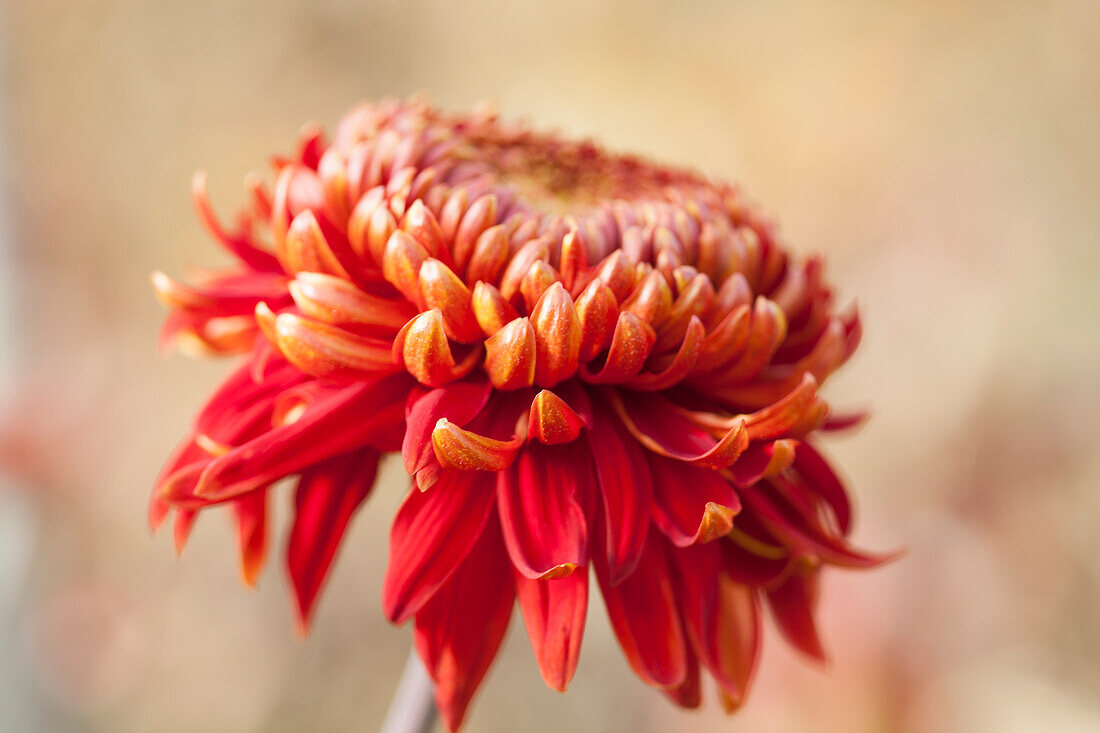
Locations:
(554, 613)
(792, 605)
(657, 425)
(459, 631)
(816, 472)
(643, 612)
(543, 523)
(251, 515)
(627, 491)
(432, 533)
(459, 402)
(338, 420)
(691, 504)
(735, 640)
(327, 497)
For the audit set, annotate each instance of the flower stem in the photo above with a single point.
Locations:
(412, 709)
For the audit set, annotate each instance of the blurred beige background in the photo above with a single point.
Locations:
(945, 155)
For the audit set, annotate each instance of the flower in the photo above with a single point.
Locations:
(586, 360)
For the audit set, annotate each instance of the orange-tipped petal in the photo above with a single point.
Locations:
(426, 352)
(630, 347)
(440, 288)
(401, 264)
(335, 300)
(557, 336)
(552, 421)
(599, 313)
(327, 351)
(491, 310)
(510, 355)
(490, 255)
(467, 451)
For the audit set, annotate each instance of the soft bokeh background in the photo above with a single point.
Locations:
(945, 155)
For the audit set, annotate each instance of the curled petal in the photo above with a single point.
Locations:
(557, 336)
(307, 249)
(440, 288)
(426, 352)
(660, 427)
(552, 421)
(763, 460)
(420, 222)
(527, 255)
(467, 451)
(691, 504)
(795, 410)
(481, 215)
(510, 355)
(337, 301)
(459, 402)
(401, 264)
(491, 310)
(490, 255)
(680, 366)
(536, 282)
(431, 535)
(652, 300)
(598, 311)
(618, 274)
(630, 347)
(542, 520)
(329, 351)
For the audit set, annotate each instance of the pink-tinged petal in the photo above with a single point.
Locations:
(181, 529)
(337, 301)
(554, 612)
(841, 421)
(431, 534)
(330, 352)
(251, 515)
(659, 426)
(792, 605)
(552, 421)
(643, 613)
(328, 495)
(541, 518)
(761, 461)
(679, 367)
(691, 504)
(735, 641)
(459, 631)
(465, 450)
(627, 490)
(804, 534)
(338, 420)
(689, 693)
(817, 473)
(423, 347)
(459, 402)
(238, 245)
(630, 347)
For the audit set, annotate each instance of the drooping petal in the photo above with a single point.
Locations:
(541, 517)
(626, 488)
(459, 630)
(664, 430)
(328, 495)
(735, 640)
(554, 612)
(792, 605)
(251, 515)
(431, 534)
(646, 620)
(691, 504)
(340, 419)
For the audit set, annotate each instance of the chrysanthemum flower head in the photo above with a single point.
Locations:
(599, 372)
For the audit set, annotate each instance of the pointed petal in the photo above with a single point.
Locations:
(627, 490)
(338, 420)
(643, 613)
(792, 605)
(552, 420)
(542, 521)
(657, 425)
(328, 495)
(735, 640)
(691, 504)
(251, 515)
(459, 631)
(459, 402)
(465, 450)
(431, 534)
(554, 612)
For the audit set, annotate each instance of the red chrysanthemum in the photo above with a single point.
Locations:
(586, 360)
